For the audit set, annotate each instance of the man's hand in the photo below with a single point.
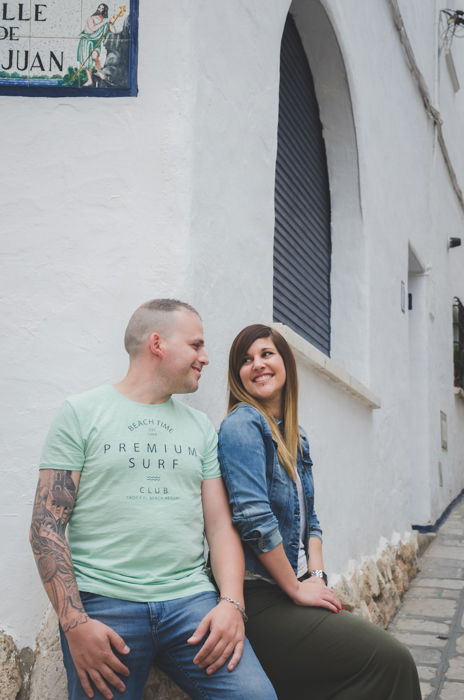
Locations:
(225, 639)
(91, 645)
(313, 591)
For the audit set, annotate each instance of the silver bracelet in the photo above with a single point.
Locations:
(318, 573)
(237, 605)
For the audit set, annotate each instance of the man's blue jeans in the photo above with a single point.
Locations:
(157, 633)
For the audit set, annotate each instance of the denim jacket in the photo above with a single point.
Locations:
(263, 498)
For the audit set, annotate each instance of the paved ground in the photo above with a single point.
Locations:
(431, 618)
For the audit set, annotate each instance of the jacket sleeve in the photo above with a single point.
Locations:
(242, 456)
(315, 529)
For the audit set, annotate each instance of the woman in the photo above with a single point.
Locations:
(309, 647)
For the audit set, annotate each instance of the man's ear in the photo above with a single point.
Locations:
(157, 345)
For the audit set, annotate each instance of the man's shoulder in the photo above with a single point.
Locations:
(90, 397)
(193, 414)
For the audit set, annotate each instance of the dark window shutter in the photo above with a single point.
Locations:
(302, 245)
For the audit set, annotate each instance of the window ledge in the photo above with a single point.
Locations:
(459, 392)
(316, 359)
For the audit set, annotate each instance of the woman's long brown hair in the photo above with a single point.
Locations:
(287, 436)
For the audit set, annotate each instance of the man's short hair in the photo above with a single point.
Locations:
(149, 317)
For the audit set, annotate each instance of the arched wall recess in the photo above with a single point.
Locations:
(349, 311)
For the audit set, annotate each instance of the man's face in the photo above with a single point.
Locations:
(185, 354)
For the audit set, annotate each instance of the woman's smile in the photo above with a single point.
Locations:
(263, 374)
(262, 378)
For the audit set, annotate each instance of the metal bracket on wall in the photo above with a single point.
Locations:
(452, 70)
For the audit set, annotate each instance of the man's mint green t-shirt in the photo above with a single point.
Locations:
(137, 530)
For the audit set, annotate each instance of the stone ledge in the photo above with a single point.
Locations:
(375, 587)
(316, 359)
(10, 668)
(373, 590)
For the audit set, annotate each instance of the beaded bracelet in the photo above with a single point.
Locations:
(237, 605)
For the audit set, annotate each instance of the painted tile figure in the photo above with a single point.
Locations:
(72, 47)
(91, 48)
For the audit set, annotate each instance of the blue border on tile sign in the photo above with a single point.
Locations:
(50, 91)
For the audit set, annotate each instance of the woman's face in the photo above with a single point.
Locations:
(263, 374)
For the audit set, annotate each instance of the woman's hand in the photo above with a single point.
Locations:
(313, 591)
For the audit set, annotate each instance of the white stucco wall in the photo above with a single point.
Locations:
(96, 218)
(109, 202)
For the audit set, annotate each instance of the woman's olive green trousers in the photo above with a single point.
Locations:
(310, 653)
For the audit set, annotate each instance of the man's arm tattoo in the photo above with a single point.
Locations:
(54, 502)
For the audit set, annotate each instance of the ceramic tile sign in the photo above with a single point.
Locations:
(68, 47)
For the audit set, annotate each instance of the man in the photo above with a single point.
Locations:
(96, 31)
(135, 474)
